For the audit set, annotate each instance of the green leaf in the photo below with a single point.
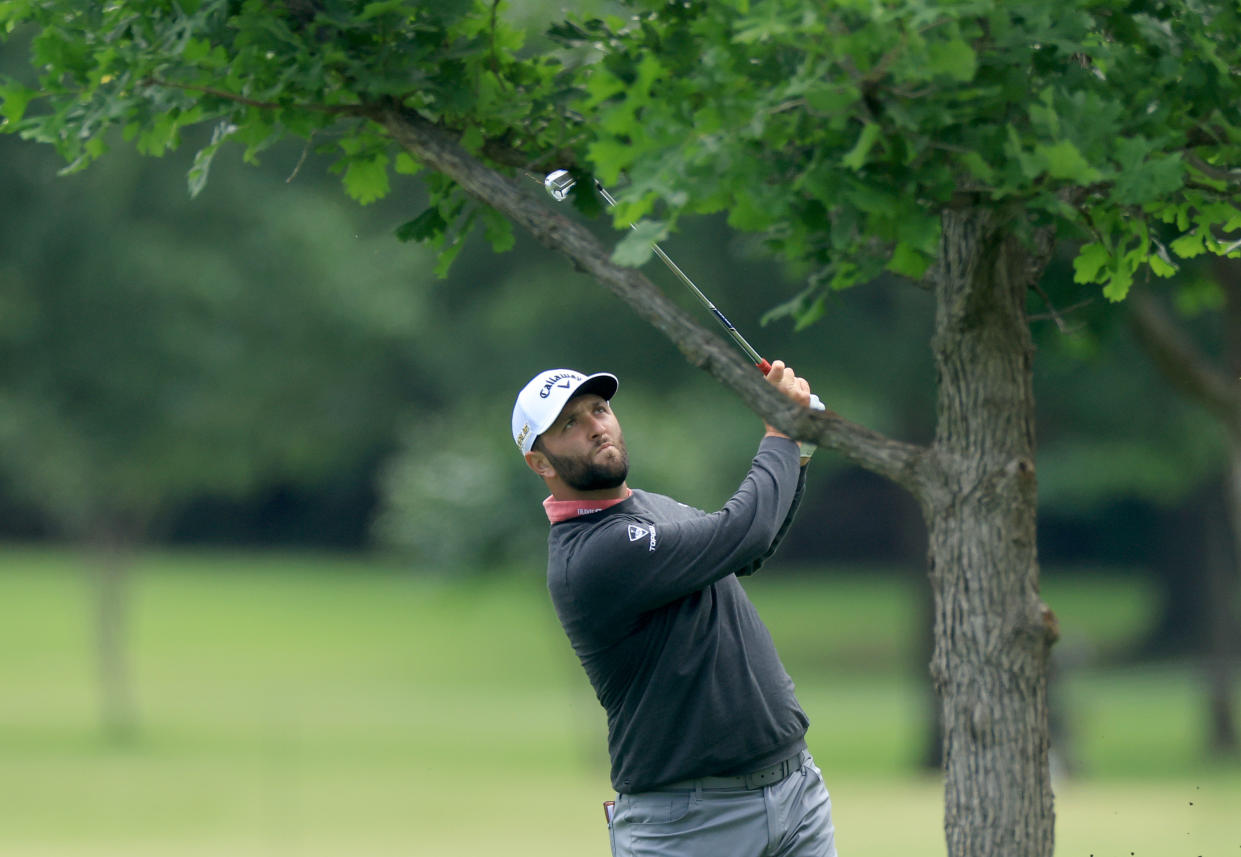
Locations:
(1161, 265)
(1147, 180)
(790, 308)
(636, 248)
(832, 99)
(383, 7)
(809, 315)
(447, 256)
(257, 134)
(366, 179)
(14, 97)
(1189, 246)
(761, 29)
(1233, 222)
(198, 171)
(1090, 260)
(977, 167)
(405, 165)
(498, 230)
(159, 136)
(426, 226)
(1117, 286)
(196, 50)
(196, 178)
(856, 157)
(609, 158)
(1063, 160)
(954, 59)
(472, 140)
(873, 199)
(747, 214)
(908, 262)
(602, 85)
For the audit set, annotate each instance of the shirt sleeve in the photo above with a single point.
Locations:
(631, 564)
(784, 527)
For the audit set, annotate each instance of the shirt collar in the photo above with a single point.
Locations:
(567, 510)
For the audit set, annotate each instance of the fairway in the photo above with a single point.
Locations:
(309, 706)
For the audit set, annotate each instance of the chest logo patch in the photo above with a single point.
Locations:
(637, 534)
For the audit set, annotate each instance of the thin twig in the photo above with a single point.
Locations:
(341, 109)
(298, 166)
(1052, 313)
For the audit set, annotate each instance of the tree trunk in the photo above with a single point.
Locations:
(118, 713)
(993, 634)
(1221, 620)
(1226, 582)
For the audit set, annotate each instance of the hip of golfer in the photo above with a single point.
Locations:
(713, 817)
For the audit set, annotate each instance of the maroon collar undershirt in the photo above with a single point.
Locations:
(567, 510)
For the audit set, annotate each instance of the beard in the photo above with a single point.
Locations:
(588, 474)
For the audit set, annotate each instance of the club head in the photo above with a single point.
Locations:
(558, 184)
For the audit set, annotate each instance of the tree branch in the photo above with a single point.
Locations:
(340, 109)
(440, 151)
(1182, 364)
(1222, 175)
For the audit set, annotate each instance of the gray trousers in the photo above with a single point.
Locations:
(791, 818)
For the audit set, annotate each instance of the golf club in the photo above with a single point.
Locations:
(558, 184)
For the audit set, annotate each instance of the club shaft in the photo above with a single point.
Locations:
(745, 346)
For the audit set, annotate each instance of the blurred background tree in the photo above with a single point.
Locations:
(154, 354)
(1205, 369)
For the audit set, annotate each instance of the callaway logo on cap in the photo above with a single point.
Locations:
(540, 401)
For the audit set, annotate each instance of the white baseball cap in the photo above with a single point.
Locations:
(541, 401)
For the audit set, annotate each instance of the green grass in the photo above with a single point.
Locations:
(309, 705)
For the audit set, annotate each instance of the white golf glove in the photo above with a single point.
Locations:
(807, 449)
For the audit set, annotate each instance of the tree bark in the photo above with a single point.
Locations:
(993, 634)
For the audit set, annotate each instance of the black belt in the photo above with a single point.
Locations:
(761, 778)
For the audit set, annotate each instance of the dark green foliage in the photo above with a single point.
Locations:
(838, 131)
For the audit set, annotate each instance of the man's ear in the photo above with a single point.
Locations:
(538, 462)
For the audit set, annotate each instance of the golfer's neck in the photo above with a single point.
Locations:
(560, 491)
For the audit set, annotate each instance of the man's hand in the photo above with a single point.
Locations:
(798, 389)
(783, 379)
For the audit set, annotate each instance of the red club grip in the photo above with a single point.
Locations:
(763, 366)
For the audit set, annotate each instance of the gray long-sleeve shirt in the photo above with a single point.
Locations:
(647, 592)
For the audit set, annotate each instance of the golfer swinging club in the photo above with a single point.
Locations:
(706, 738)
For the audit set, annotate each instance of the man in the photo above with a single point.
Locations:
(706, 738)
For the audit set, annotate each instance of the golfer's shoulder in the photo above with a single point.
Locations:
(661, 507)
(569, 538)
(594, 540)
(584, 553)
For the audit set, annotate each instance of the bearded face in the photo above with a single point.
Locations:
(594, 470)
(585, 446)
